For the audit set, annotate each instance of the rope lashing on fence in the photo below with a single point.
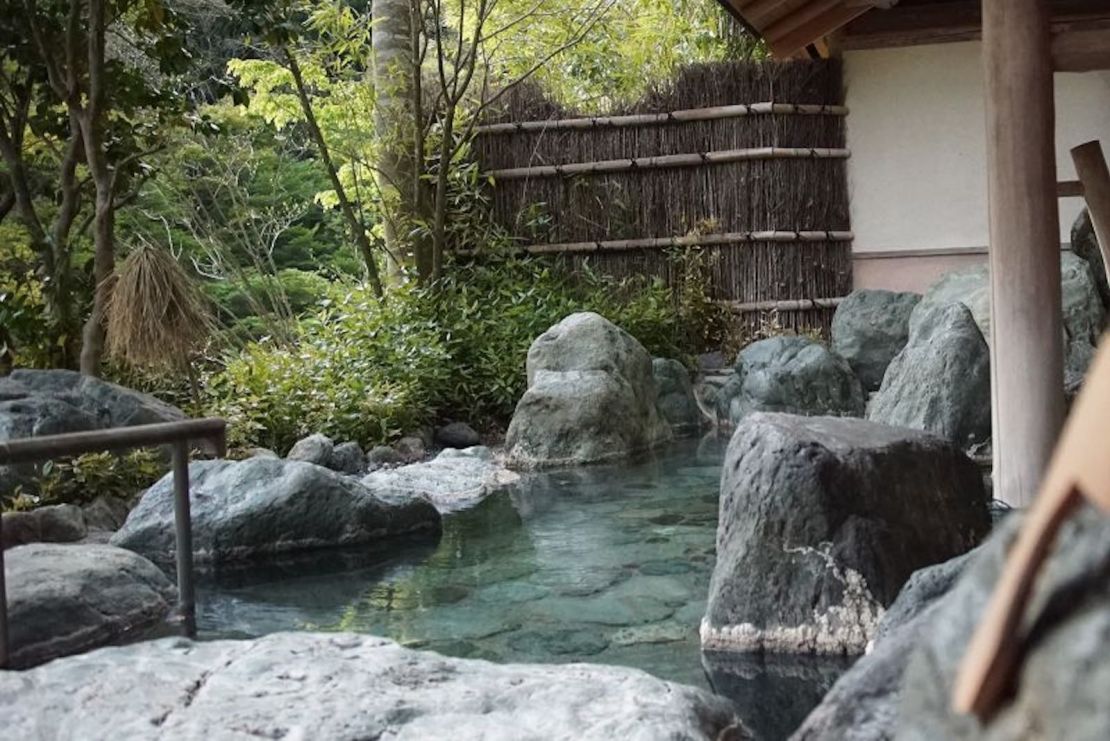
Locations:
(803, 304)
(660, 119)
(668, 160)
(689, 240)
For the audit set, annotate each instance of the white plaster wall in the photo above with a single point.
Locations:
(916, 130)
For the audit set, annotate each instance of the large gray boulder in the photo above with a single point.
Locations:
(591, 397)
(863, 704)
(822, 520)
(345, 686)
(791, 374)
(1084, 314)
(941, 381)
(261, 506)
(676, 403)
(63, 599)
(1084, 243)
(52, 402)
(1084, 319)
(870, 328)
(453, 480)
(1060, 687)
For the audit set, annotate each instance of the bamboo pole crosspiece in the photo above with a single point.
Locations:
(690, 159)
(713, 113)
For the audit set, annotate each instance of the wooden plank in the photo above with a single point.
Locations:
(956, 20)
(688, 115)
(1027, 374)
(1069, 189)
(1090, 164)
(762, 13)
(799, 18)
(1081, 50)
(817, 28)
(693, 159)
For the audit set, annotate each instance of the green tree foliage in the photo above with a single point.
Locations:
(637, 44)
(87, 88)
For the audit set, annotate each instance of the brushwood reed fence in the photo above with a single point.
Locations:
(744, 161)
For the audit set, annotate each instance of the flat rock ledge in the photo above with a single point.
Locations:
(344, 686)
(63, 599)
(452, 481)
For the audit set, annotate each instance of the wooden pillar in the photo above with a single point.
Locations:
(1027, 374)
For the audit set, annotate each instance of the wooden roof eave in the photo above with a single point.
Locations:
(789, 26)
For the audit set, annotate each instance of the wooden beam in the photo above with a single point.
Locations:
(1081, 50)
(800, 17)
(1069, 189)
(956, 20)
(815, 28)
(1027, 369)
(1090, 164)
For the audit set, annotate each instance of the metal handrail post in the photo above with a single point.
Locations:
(177, 434)
(186, 589)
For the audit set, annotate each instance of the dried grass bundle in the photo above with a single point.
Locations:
(156, 316)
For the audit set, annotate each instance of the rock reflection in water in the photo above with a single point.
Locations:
(773, 694)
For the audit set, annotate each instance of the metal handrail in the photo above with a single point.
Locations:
(176, 434)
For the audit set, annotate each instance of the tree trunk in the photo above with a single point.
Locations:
(391, 38)
(439, 230)
(104, 265)
(354, 223)
(92, 119)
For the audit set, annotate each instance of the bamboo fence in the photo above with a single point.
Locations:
(743, 161)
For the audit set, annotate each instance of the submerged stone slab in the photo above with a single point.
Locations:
(453, 480)
(822, 520)
(243, 509)
(63, 599)
(345, 686)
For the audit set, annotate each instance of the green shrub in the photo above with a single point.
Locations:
(357, 370)
(80, 480)
(364, 371)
